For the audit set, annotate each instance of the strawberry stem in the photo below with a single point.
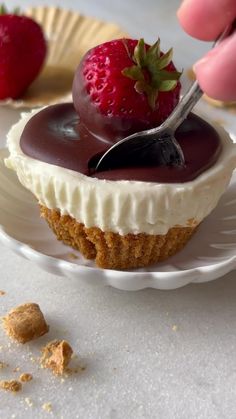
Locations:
(150, 61)
(5, 11)
(17, 11)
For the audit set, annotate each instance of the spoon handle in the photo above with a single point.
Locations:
(194, 93)
(185, 106)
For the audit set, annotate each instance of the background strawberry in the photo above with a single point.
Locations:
(22, 53)
(124, 86)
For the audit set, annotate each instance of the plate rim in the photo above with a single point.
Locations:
(125, 280)
(192, 275)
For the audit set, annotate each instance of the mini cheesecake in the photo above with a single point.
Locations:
(125, 217)
(141, 209)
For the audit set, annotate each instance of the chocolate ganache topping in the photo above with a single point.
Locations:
(56, 136)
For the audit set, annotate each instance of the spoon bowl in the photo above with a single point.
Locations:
(143, 148)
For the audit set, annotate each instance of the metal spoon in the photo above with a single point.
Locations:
(161, 140)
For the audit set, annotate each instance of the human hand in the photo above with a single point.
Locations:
(205, 20)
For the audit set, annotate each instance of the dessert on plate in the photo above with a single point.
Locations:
(137, 211)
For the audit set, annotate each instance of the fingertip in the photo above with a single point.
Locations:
(188, 17)
(215, 72)
(206, 19)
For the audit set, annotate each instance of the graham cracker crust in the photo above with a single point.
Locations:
(112, 250)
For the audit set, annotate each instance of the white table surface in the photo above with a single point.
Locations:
(148, 354)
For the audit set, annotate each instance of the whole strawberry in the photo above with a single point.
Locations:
(124, 86)
(22, 53)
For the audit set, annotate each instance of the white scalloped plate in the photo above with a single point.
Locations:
(210, 254)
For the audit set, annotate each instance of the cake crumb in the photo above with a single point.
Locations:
(17, 369)
(174, 328)
(29, 402)
(25, 322)
(72, 256)
(25, 377)
(47, 406)
(33, 359)
(191, 222)
(77, 369)
(11, 385)
(56, 355)
(2, 293)
(3, 365)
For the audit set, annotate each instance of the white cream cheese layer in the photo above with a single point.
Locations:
(122, 206)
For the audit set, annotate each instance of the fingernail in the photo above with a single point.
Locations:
(199, 64)
(203, 61)
(224, 49)
(183, 4)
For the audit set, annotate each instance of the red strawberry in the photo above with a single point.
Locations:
(22, 53)
(124, 86)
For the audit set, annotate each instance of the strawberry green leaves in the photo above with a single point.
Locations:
(140, 53)
(5, 11)
(149, 71)
(135, 73)
(165, 59)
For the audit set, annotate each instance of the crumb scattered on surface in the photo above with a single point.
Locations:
(33, 359)
(56, 355)
(76, 369)
(47, 407)
(2, 293)
(25, 322)
(174, 328)
(29, 402)
(11, 385)
(17, 369)
(72, 256)
(25, 377)
(3, 365)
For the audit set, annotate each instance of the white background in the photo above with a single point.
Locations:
(148, 354)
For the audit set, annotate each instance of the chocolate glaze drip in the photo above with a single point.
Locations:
(56, 136)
